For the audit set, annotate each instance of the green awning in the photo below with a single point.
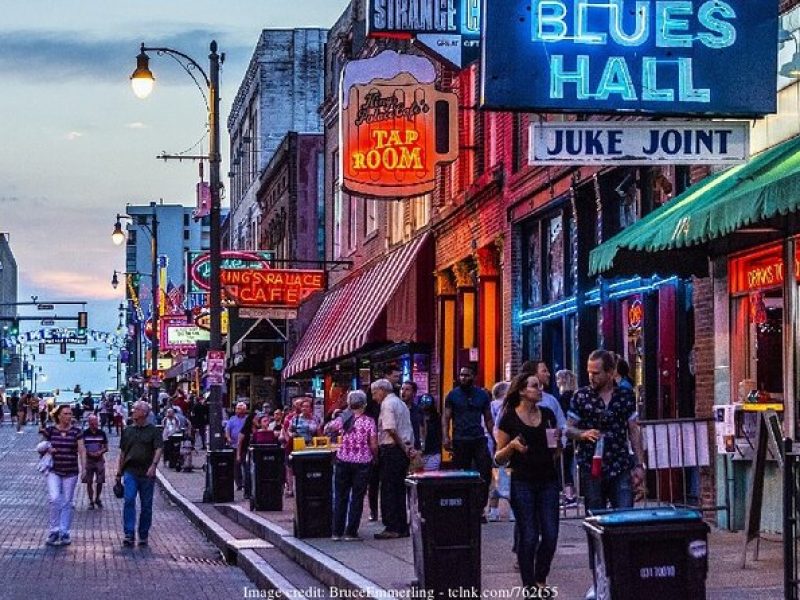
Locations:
(766, 186)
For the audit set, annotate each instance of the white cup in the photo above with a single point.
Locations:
(552, 438)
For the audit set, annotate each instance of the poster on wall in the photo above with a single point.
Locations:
(724, 428)
(693, 57)
(395, 127)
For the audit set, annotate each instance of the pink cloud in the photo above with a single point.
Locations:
(77, 285)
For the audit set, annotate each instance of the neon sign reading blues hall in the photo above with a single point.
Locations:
(679, 57)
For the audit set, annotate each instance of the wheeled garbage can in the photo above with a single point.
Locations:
(446, 508)
(649, 553)
(313, 492)
(267, 475)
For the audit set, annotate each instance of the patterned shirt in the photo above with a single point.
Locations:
(355, 442)
(65, 444)
(589, 411)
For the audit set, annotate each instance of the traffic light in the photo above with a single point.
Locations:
(83, 322)
(94, 355)
(43, 348)
(72, 356)
(14, 329)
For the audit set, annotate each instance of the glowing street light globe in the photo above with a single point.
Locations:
(142, 79)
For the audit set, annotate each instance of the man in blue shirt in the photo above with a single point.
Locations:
(232, 430)
(464, 407)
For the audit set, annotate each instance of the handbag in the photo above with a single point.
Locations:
(119, 489)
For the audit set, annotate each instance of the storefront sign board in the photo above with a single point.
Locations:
(395, 127)
(761, 269)
(639, 143)
(449, 28)
(689, 57)
(200, 265)
(272, 287)
(182, 336)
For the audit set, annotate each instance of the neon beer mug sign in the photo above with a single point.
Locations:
(660, 56)
(395, 126)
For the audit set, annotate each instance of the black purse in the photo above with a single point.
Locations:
(119, 489)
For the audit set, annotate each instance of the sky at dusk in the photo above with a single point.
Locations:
(79, 146)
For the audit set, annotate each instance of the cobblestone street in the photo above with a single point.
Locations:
(179, 563)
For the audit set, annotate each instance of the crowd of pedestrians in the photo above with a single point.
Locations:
(531, 448)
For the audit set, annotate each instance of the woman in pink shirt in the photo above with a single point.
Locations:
(358, 449)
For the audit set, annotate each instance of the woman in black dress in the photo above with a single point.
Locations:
(527, 440)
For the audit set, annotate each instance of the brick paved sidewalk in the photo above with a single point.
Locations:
(179, 563)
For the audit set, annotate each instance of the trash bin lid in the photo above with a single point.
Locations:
(428, 475)
(641, 516)
(311, 453)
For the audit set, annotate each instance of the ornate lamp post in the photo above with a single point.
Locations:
(142, 81)
(118, 237)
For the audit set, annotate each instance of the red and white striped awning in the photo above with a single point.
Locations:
(350, 310)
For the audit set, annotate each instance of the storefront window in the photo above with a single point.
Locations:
(555, 259)
(532, 341)
(533, 266)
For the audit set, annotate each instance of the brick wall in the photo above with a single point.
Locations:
(703, 300)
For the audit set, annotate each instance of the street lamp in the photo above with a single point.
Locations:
(142, 82)
(118, 236)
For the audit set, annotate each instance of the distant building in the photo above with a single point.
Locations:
(281, 92)
(8, 295)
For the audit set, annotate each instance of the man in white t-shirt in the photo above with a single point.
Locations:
(396, 448)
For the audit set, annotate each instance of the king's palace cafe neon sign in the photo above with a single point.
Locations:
(285, 288)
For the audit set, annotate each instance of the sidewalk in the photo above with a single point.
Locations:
(388, 564)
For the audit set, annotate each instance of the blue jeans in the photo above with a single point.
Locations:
(349, 486)
(143, 486)
(535, 506)
(599, 493)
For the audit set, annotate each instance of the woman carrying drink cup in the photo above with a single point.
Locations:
(528, 441)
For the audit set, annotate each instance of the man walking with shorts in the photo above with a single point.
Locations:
(96, 443)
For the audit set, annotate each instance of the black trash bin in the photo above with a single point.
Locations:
(446, 508)
(313, 492)
(172, 450)
(267, 475)
(649, 553)
(219, 474)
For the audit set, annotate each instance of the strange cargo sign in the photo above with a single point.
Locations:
(639, 143)
(664, 57)
(395, 127)
(451, 29)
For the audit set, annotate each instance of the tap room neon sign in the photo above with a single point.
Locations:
(665, 57)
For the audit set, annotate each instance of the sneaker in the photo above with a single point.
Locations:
(64, 539)
(91, 506)
(352, 538)
(336, 538)
(143, 541)
(127, 541)
(98, 503)
(494, 515)
(53, 539)
(387, 535)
